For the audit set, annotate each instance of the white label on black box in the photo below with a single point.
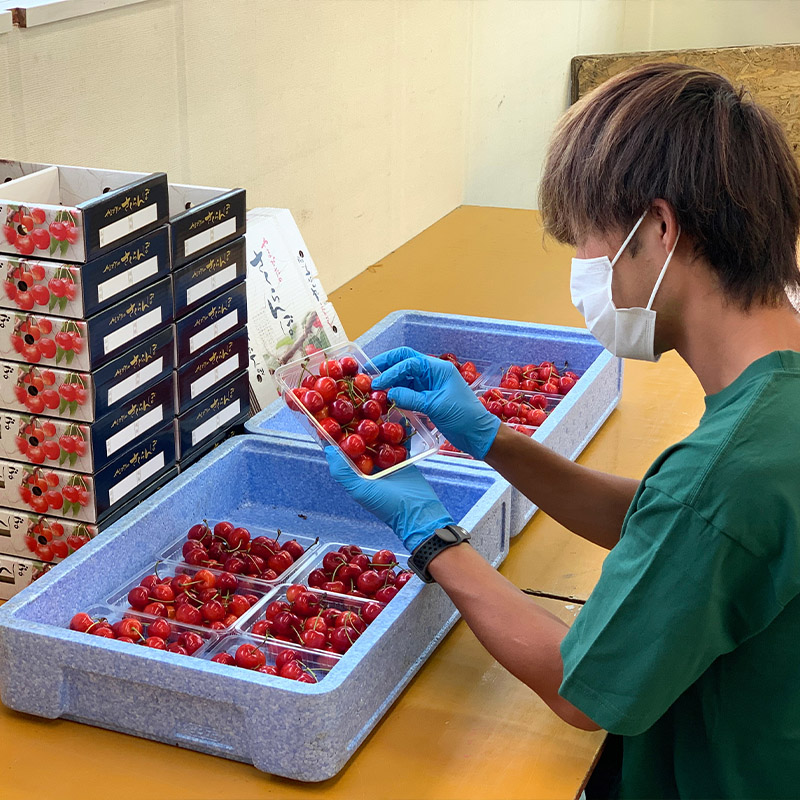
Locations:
(133, 382)
(215, 376)
(215, 423)
(127, 333)
(119, 283)
(122, 227)
(208, 285)
(212, 331)
(205, 238)
(130, 432)
(128, 484)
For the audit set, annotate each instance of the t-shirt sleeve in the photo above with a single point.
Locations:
(675, 593)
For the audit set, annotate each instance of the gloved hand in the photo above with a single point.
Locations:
(403, 500)
(434, 387)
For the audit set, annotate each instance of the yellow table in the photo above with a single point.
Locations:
(464, 728)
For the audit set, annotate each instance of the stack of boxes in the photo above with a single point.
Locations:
(91, 359)
(207, 228)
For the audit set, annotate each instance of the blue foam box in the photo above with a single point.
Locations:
(297, 730)
(567, 430)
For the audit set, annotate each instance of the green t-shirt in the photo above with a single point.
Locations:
(689, 646)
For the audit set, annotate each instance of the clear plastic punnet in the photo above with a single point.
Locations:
(250, 653)
(349, 403)
(262, 541)
(203, 590)
(532, 377)
(190, 640)
(309, 618)
(322, 562)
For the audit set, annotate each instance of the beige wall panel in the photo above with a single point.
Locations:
(97, 90)
(521, 53)
(350, 113)
(8, 102)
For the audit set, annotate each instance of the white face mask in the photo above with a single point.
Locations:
(625, 332)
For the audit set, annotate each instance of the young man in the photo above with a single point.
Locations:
(682, 198)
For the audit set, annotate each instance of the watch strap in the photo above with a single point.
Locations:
(427, 550)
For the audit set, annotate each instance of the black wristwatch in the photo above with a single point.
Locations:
(424, 553)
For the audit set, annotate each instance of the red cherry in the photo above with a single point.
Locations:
(81, 622)
(385, 457)
(41, 238)
(224, 658)
(391, 432)
(332, 369)
(342, 411)
(10, 234)
(48, 348)
(349, 366)
(386, 593)
(24, 245)
(353, 445)
(326, 387)
(365, 464)
(72, 234)
(41, 294)
(313, 401)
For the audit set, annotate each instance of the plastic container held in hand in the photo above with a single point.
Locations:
(418, 442)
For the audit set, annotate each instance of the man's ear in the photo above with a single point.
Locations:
(663, 212)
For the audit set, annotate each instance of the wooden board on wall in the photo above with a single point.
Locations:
(770, 73)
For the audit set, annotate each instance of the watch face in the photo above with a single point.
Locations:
(447, 535)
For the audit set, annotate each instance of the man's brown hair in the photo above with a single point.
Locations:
(684, 135)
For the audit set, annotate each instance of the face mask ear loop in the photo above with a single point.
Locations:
(663, 270)
(630, 236)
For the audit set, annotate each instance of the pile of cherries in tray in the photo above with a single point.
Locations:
(340, 398)
(230, 548)
(523, 412)
(516, 409)
(467, 369)
(544, 377)
(195, 597)
(310, 618)
(350, 571)
(158, 634)
(288, 663)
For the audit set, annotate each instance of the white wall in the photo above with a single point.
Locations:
(369, 119)
(521, 55)
(350, 113)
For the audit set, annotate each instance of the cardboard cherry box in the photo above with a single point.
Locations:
(85, 497)
(16, 573)
(41, 537)
(79, 291)
(209, 324)
(86, 344)
(210, 420)
(202, 218)
(210, 370)
(86, 447)
(200, 280)
(86, 396)
(76, 214)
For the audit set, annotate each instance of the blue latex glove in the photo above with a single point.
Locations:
(403, 500)
(434, 387)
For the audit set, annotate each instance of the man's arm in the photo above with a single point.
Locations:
(589, 503)
(530, 649)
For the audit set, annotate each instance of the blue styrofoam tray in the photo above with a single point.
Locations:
(301, 731)
(568, 429)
